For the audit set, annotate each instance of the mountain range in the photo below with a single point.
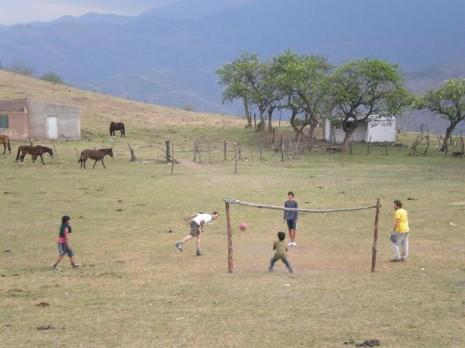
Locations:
(169, 55)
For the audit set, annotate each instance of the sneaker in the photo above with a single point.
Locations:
(289, 244)
(395, 260)
(75, 265)
(198, 253)
(178, 247)
(294, 244)
(55, 269)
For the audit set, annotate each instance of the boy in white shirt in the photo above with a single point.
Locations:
(197, 223)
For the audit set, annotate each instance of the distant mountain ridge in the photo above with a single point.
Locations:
(169, 55)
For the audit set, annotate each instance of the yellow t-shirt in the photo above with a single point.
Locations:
(401, 215)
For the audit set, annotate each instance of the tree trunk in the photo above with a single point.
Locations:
(311, 133)
(447, 138)
(247, 113)
(270, 120)
(347, 139)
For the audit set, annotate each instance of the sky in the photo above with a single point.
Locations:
(22, 11)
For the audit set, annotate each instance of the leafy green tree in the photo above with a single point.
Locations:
(363, 89)
(238, 79)
(53, 77)
(302, 82)
(448, 101)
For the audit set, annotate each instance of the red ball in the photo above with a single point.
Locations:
(242, 226)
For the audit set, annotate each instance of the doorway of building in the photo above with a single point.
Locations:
(52, 127)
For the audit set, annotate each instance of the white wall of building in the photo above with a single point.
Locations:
(380, 130)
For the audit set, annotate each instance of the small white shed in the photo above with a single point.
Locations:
(376, 129)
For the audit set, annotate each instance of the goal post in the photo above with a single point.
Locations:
(229, 202)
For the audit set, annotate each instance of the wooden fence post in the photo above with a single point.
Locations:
(235, 158)
(375, 238)
(132, 156)
(229, 231)
(282, 148)
(225, 150)
(55, 152)
(172, 159)
(168, 156)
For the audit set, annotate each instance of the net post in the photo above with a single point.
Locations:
(229, 231)
(375, 238)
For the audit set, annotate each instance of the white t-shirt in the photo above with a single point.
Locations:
(202, 219)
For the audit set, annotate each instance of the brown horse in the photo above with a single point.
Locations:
(96, 155)
(5, 140)
(34, 151)
(117, 126)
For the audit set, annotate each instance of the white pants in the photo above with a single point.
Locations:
(400, 247)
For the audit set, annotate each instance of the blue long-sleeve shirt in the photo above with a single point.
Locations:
(291, 215)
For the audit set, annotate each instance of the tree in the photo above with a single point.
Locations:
(364, 89)
(238, 78)
(20, 68)
(448, 101)
(302, 83)
(53, 77)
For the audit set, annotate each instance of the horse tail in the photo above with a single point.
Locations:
(111, 128)
(81, 158)
(19, 151)
(9, 145)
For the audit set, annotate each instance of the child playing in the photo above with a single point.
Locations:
(280, 253)
(291, 217)
(63, 246)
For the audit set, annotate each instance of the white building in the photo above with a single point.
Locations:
(376, 130)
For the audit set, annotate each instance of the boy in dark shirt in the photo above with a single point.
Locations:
(291, 217)
(280, 253)
(63, 246)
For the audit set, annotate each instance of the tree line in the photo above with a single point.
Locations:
(311, 90)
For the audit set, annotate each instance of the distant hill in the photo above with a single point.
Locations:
(169, 55)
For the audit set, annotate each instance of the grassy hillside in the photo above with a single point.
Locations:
(98, 110)
(135, 290)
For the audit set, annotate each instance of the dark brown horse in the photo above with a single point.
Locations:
(5, 140)
(117, 126)
(96, 155)
(34, 151)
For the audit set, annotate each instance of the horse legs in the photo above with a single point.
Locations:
(84, 161)
(34, 157)
(103, 164)
(42, 159)
(4, 148)
(93, 167)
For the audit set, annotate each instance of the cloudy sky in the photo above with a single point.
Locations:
(20, 11)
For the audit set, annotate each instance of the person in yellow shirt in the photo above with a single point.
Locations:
(399, 235)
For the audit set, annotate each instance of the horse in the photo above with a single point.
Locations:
(5, 140)
(117, 126)
(96, 155)
(34, 151)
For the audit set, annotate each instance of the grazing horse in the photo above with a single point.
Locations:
(117, 126)
(5, 140)
(96, 155)
(34, 151)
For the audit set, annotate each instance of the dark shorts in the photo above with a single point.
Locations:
(195, 229)
(292, 224)
(64, 249)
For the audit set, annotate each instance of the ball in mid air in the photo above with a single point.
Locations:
(242, 226)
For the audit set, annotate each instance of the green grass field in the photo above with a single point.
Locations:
(135, 290)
